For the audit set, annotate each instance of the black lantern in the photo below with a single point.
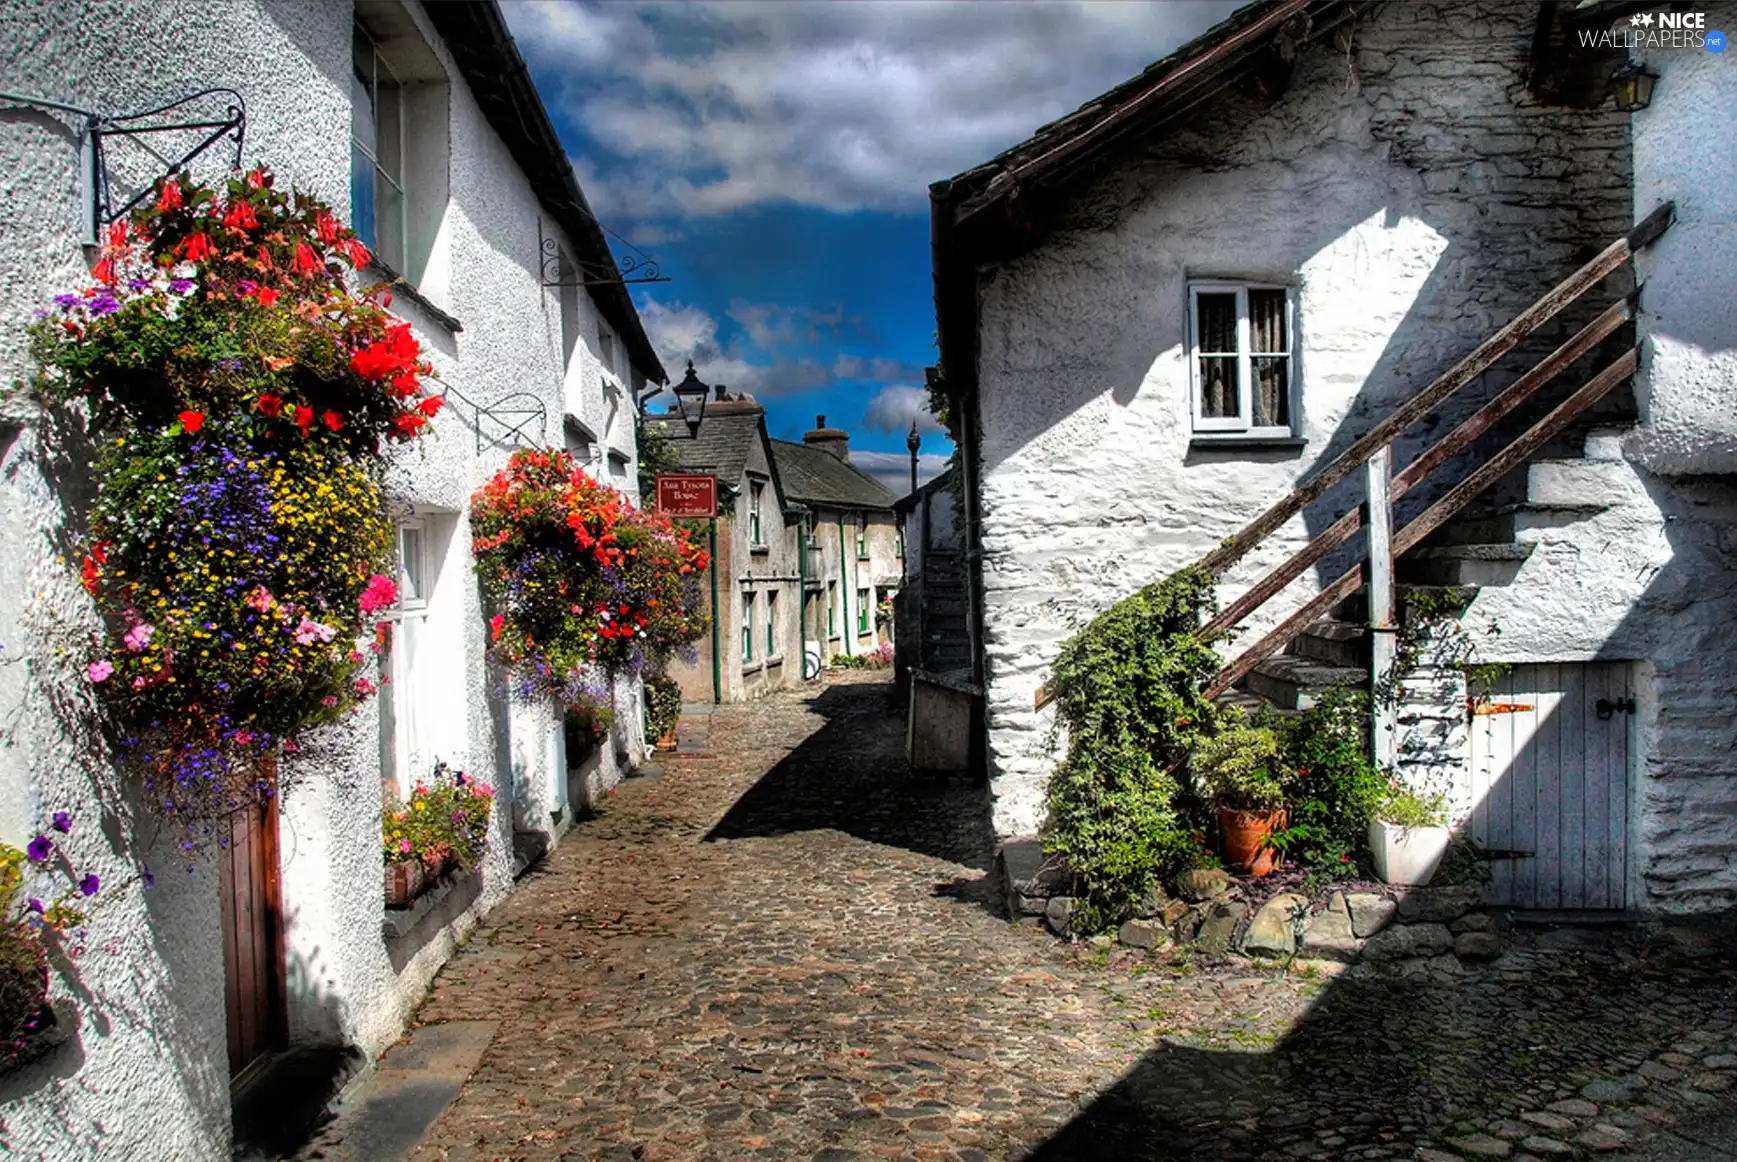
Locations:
(691, 396)
(1633, 86)
(913, 442)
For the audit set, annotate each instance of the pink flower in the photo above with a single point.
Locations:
(100, 671)
(309, 632)
(403, 845)
(380, 593)
(365, 687)
(139, 683)
(259, 599)
(139, 636)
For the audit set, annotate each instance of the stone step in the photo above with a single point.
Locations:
(1461, 565)
(1337, 643)
(1293, 683)
(1509, 522)
(1560, 483)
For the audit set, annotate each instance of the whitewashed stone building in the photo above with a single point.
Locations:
(507, 280)
(1168, 310)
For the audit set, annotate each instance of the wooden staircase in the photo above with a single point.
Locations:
(944, 636)
(1344, 635)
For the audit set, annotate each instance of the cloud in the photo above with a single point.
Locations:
(893, 408)
(879, 370)
(770, 325)
(680, 332)
(893, 469)
(705, 109)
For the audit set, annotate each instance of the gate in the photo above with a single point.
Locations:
(1549, 777)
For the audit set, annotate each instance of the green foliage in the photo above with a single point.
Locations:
(1403, 807)
(446, 818)
(1431, 634)
(657, 456)
(1337, 787)
(1129, 693)
(1241, 769)
(663, 704)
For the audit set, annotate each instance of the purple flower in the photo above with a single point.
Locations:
(138, 284)
(150, 880)
(246, 286)
(89, 885)
(39, 848)
(67, 301)
(62, 822)
(35, 905)
(104, 304)
(180, 286)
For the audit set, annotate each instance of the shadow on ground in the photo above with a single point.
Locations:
(1383, 1065)
(850, 776)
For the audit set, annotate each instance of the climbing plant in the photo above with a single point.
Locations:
(1129, 694)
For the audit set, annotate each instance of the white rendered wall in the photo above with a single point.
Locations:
(149, 1076)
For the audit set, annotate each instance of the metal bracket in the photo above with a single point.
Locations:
(636, 267)
(512, 417)
(1606, 708)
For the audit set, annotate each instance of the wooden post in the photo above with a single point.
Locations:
(1383, 625)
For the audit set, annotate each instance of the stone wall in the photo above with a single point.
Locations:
(1416, 196)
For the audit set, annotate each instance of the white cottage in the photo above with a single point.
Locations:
(1181, 307)
(420, 124)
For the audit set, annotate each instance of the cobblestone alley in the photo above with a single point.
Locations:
(782, 948)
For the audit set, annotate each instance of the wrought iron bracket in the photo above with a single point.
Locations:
(635, 267)
(1607, 707)
(506, 423)
(99, 194)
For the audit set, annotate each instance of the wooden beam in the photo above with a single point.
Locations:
(1425, 401)
(1383, 625)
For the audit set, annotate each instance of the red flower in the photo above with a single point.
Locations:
(332, 420)
(170, 197)
(409, 423)
(257, 179)
(495, 624)
(431, 405)
(359, 256)
(267, 296)
(241, 217)
(306, 261)
(271, 405)
(197, 247)
(191, 422)
(394, 355)
(327, 227)
(304, 418)
(118, 234)
(405, 384)
(104, 271)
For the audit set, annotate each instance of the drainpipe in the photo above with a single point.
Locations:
(844, 630)
(717, 663)
(802, 597)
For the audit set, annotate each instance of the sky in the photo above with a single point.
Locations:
(774, 157)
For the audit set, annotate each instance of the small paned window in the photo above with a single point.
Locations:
(755, 493)
(376, 153)
(862, 611)
(1242, 358)
(772, 623)
(748, 627)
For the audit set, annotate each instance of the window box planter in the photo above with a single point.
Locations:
(405, 880)
(1407, 855)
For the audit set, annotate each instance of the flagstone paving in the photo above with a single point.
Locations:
(783, 948)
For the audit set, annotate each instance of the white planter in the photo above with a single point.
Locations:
(1407, 855)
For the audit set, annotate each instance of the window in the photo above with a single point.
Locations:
(606, 347)
(832, 609)
(899, 543)
(747, 627)
(1241, 358)
(755, 492)
(862, 611)
(413, 567)
(376, 152)
(772, 623)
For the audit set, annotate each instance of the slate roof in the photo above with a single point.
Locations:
(721, 447)
(813, 476)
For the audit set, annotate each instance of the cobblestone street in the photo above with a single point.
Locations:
(783, 948)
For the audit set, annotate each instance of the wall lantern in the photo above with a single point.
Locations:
(691, 396)
(1633, 87)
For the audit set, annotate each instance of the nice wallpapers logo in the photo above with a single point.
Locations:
(1658, 30)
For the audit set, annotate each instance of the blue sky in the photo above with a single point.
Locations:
(774, 157)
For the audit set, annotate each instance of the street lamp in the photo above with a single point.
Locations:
(913, 442)
(1633, 84)
(691, 396)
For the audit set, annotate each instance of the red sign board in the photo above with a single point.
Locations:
(687, 496)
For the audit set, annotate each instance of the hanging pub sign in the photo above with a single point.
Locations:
(687, 496)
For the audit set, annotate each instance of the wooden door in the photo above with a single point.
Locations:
(1549, 776)
(252, 903)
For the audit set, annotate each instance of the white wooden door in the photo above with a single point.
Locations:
(1549, 778)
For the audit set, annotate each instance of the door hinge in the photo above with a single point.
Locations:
(1606, 707)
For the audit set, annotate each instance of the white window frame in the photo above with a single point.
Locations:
(756, 531)
(423, 565)
(1240, 425)
(395, 256)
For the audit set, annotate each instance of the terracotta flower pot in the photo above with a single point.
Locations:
(404, 882)
(1245, 835)
(667, 740)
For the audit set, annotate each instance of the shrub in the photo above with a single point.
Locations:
(1337, 786)
(663, 704)
(1240, 769)
(446, 817)
(879, 658)
(1403, 807)
(1129, 696)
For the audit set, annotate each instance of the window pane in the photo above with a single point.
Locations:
(1215, 316)
(388, 224)
(1219, 395)
(410, 564)
(1272, 396)
(389, 149)
(362, 90)
(1266, 319)
(362, 197)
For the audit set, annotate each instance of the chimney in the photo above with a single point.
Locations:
(831, 440)
(722, 396)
